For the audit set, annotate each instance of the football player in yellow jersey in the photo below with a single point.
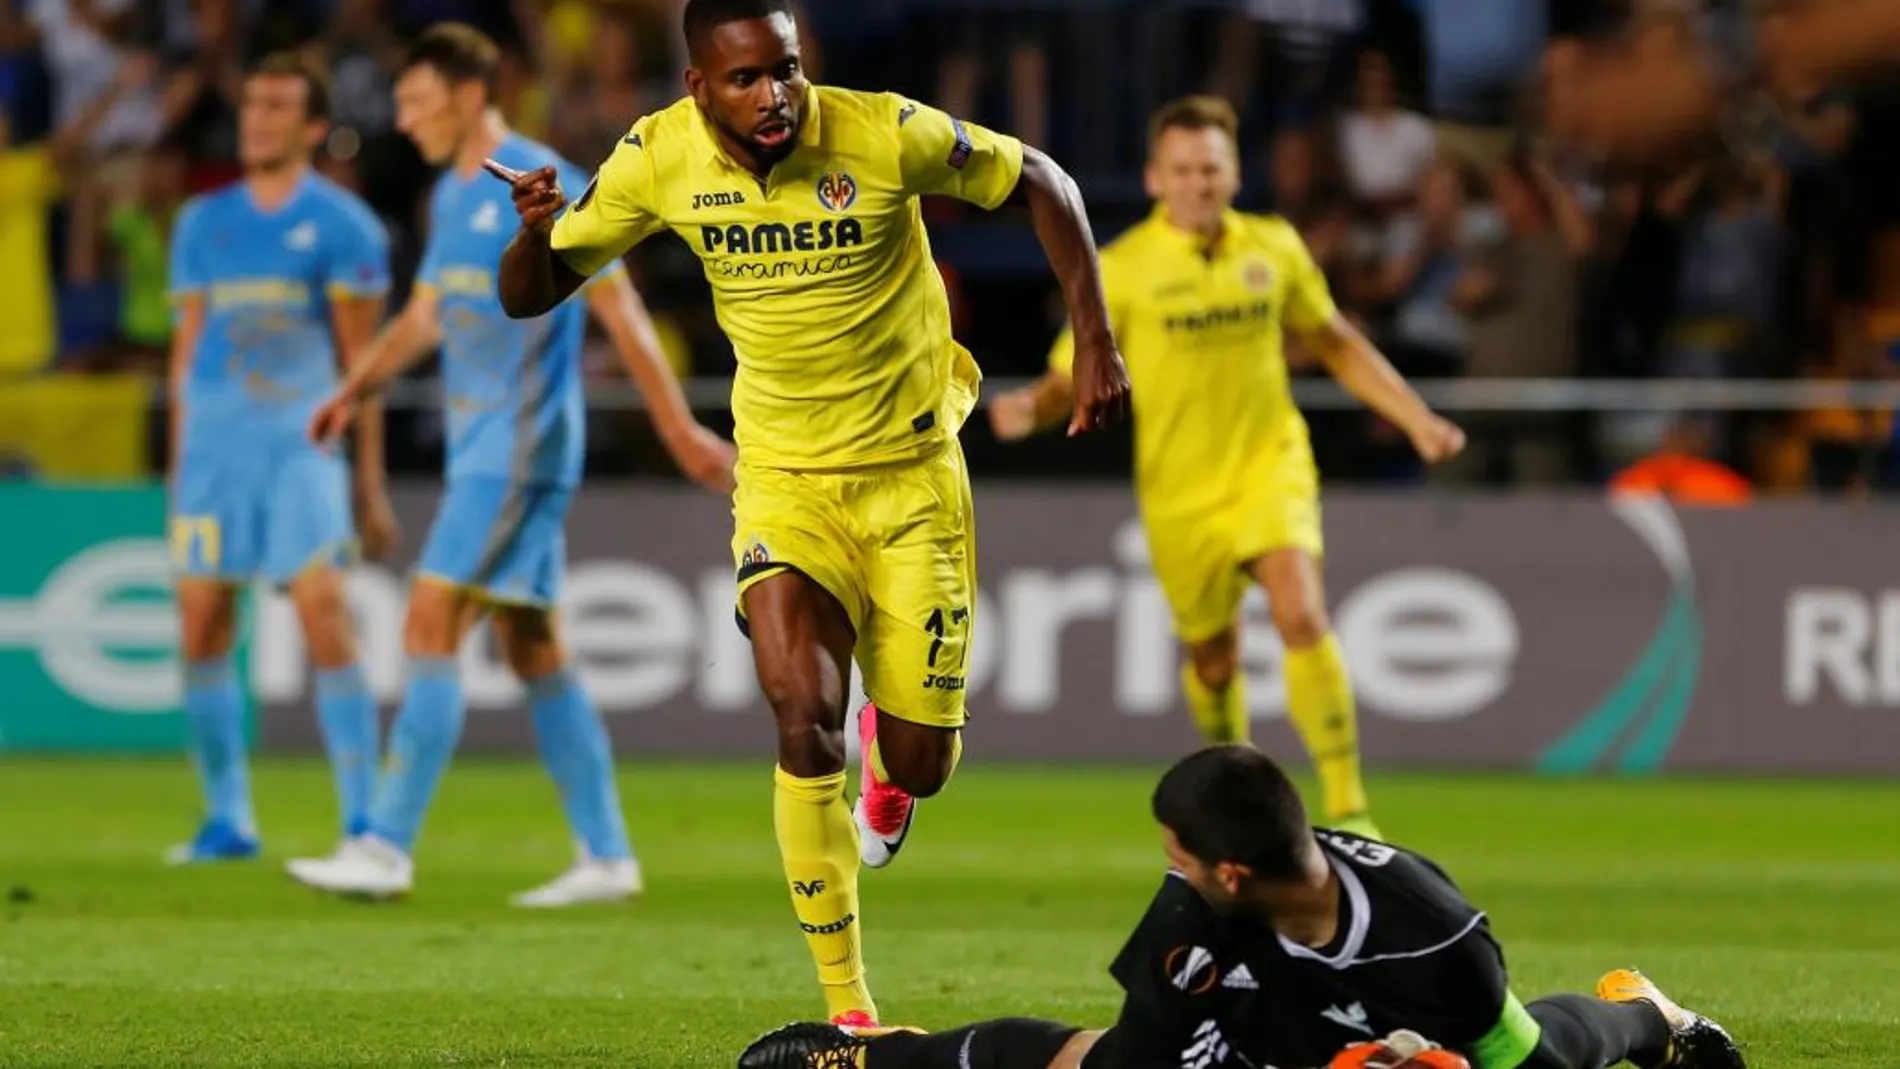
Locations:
(852, 518)
(1200, 296)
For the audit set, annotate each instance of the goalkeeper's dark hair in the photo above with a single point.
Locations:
(704, 16)
(1232, 803)
(460, 53)
(302, 66)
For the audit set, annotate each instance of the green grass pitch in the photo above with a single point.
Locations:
(1772, 905)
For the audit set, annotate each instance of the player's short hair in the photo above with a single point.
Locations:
(1232, 803)
(460, 53)
(1198, 112)
(316, 80)
(702, 17)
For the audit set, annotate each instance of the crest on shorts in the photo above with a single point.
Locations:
(755, 556)
(837, 191)
(1257, 275)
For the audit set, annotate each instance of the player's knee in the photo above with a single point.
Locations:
(206, 622)
(530, 643)
(810, 727)
(536, 660)
(426, 634)
(205, 638)
(323, 610)
(922, 771)
(1301, 626)
(1216, 661)
(808, 746)
(429, 629)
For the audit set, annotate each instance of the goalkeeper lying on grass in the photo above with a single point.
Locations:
(1275, 946)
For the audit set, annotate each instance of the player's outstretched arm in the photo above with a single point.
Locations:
(705, 457)
(534, 280)
(1369, 376)
(1100, 385)
(1034, 408)
(394, 350)
(353, 324)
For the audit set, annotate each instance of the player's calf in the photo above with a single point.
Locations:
(919, 759)
(346, 710)
(801, 647)
(1010, 1043)
(207, 619)
(901, 763)
(1211, 681)
(439, 616)
(421, 741)
(1319, 694)
(214, 709)
(323, 611)
(579, 758)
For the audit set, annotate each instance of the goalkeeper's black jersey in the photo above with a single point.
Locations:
(1207, 991)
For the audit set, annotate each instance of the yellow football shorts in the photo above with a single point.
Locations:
(1200, 558)
(896, 545)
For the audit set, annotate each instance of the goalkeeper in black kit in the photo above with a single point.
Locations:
(1274, 945)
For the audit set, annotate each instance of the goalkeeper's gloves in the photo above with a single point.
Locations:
(1403, 1049)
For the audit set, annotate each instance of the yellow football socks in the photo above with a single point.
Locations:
(1319, 702)
(1220, 716)
(818, 843)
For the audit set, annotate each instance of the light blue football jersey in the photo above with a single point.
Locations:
(515, 391)
(266, 358)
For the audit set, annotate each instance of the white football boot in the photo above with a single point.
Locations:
(884, 810)
(363, 867)
(588, 882)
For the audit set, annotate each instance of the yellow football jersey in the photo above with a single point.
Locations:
(1202, 331)
(821, 274)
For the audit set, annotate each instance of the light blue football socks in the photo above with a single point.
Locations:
(346, 713)
(579, 758)
(421, 742)
(215, 711)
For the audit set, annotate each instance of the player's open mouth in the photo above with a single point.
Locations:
(773, 134)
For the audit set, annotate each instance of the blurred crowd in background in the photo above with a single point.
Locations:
(1432, 152)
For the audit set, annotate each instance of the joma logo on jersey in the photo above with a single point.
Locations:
(1216, 318)
(808, 888)
(717, 200)
(829, 929)
(937, 682)
(767, 238)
